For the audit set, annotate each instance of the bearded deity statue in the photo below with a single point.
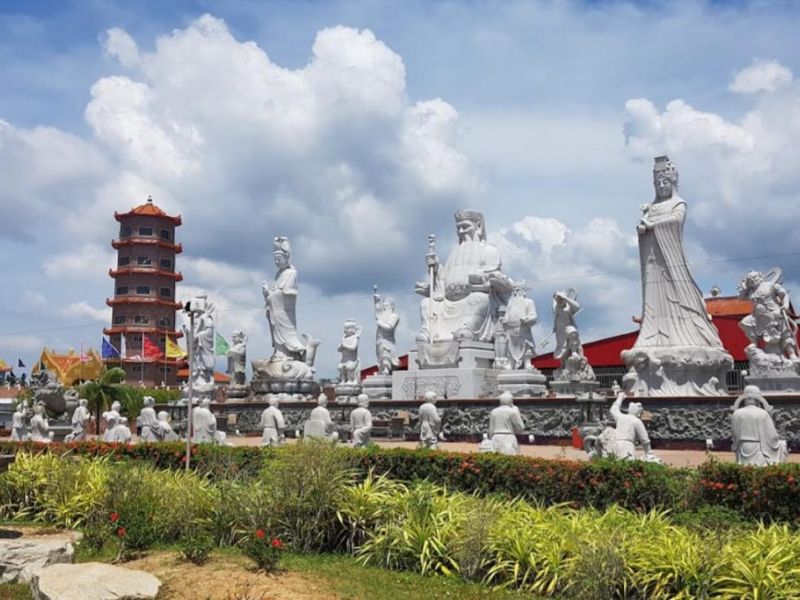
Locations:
(463, 296)
(678, 351)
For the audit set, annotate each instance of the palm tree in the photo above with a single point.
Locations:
(107, 388)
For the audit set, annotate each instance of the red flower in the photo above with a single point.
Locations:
(260, 534)
(277, 543)
(121, 532)
(627, 485)
(114, 517)
(790, 479)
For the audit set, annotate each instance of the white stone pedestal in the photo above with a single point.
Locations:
(378, 386)
(775, 384)
(525, 383)
(573, 388)
(346, 393)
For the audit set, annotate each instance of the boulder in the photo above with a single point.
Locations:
(22, 557)
(93, 581)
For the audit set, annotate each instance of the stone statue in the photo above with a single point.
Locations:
(111, 417)
(148, 420)
(80, 421)
(462, 297)
(771, 329)
(517, 324)
(203, 347)
(293, 355)
(320, 424)
(505, 423)
(348, 347)
(121, 433)
(237, 358)
(430, 423)
(678, 351)
(361, 422)
(166, 428)
(40, 427)
(486, 444)
(19, 426)
(569, 350)
(272, 424)
(204, 424)
(629, 431)
(386, 321)
(755, 440)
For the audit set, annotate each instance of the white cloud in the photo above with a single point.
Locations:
(34, 299)
(120, 46)
(761, 76)
(90, 262)
(83, 310)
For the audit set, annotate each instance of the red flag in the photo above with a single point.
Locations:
(151, 350)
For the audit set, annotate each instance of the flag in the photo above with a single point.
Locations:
(108, 350)
(85, 358)
(20, 364)
(173, 350)
(221, 345)
(150, 350)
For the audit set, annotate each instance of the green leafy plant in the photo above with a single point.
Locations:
(264, 550)
(197, 544)
(106, 389)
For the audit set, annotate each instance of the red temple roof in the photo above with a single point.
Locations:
(148, 209)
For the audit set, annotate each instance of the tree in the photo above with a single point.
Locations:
(109, 387)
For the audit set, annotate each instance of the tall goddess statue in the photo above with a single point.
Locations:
(463, 296)
(678, 351)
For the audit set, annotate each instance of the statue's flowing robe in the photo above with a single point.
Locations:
(151, 426)
(79, 419)
(17, 427)
(282, 314)
(40, 429)
(361, 426)
(385, 337)
(673, 310)
(563, 317)
(461, 307)
(169, 433)
(204, 425)
(320, 413)
(111, 417)
(629, 430)
(204, 343)
(430, 423)
(272, 425)
(755, 440)
(505, 423)
(520, 336)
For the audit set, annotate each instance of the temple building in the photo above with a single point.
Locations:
(144, 304)
(72, 368)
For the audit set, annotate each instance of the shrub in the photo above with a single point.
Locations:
(264, 550)
(196, 545)
(363, 506)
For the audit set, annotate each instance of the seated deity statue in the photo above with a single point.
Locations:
(148, 421)
(630, 431)
(755, 439)
(505, 423)
(462, 298)
(348, 347)
(321, 419)
(430, 423)
(386, 322)
(361, 423)
(40, 427)
(272, 424)
(80, 422)
(19, 427)
(166, 427)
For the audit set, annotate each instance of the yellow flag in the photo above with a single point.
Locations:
(173, 350)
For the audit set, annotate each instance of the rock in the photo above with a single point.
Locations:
(21, 558)
(93, 581)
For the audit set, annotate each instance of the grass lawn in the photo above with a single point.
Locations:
(15, 591)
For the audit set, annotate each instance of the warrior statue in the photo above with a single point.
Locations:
(386, 321)
(462, 298)
(237, 357)
(678, 351)
(348, 349)
(569, 350)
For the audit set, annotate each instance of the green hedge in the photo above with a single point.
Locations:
(766, 493)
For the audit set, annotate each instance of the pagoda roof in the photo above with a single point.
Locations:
(148, 209)
(71, 367)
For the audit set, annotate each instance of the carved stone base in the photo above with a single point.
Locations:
(378, 387)
(676, 371)
(447, 383)
(523, 383)
(573, 388)
(346, 393)
(775, 384)
(236, 393)
(461, 355)
(268, 385)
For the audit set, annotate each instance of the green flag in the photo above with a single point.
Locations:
(221, 345)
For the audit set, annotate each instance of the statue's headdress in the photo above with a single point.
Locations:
(476, 217)
(664, 165)
(280, 245)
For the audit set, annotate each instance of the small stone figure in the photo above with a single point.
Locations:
(518, 322)
(321, 421)
(629, 430)
(361, 422)
(166, 428)
(348, 347)
(121, 432)
(40, 427)
(80, 420)
(755, 440)
(204, 425)
(430, 423)
(237, 358)
(272, 424)
(148, 420)
(111, 417)
(386, 321)
(486, 444)
(19, 428)
(505, 423)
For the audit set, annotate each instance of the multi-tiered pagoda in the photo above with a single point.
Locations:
(144, 304)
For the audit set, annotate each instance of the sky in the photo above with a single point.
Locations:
(358, 128)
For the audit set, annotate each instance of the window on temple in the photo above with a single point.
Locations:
(138, 368)
(137, 338)
(165, 235)
(165, 369)
(143, 290)
(166, 263)
(141, 319)
(124, 231)
(124, 260)
(144, 260)
(119, 320)
(146, 231)
(166, 292)
(122, 290)
(165, 322)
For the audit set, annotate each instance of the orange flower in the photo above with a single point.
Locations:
(260, 534)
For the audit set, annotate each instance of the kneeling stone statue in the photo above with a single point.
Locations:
(755, 440)
(620, 441)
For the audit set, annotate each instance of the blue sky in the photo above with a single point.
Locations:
(251, 120)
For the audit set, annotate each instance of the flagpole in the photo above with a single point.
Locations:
(164, 377)
(189, 337)
(141, 364)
